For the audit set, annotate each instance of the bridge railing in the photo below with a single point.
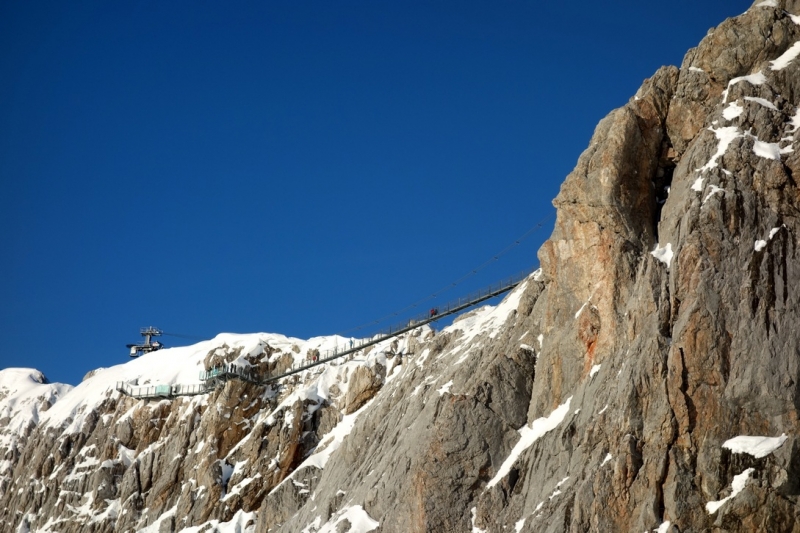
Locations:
(151, 391)
(226, 371)
(424, 318)
(122, 386)
(444, 309)
(188, 390)
(161, 391)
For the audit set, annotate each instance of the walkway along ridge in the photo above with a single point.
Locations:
(221, 374)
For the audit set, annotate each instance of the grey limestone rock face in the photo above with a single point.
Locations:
(598, 396)
(691, 353)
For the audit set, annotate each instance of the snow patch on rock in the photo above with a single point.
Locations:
(445, 388)
(737, 486)
(725, 136)
(663, 254)
(332, 440)
(774, 231)
(761, 101)
(753, 79)
(758, 447)
(663, 528)
(787, 57)
(732, 111)
(795, 122)
(714, 190)
(529, 435)
(360, 521)
(474, 514)
(769, 150)
(241, 522)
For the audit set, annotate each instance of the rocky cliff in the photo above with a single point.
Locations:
(646, 378)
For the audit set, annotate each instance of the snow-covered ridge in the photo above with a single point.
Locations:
(25, 395)
(168, 366)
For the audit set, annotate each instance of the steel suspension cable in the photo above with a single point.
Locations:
(460, 280)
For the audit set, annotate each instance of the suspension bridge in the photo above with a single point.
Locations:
(219, 375)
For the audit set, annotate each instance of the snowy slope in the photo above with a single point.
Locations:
(177, 365)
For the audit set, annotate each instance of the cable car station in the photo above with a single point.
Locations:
(149, 345)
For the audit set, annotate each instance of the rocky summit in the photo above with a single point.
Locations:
(646, 378)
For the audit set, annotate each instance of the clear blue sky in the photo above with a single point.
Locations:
(289, 167)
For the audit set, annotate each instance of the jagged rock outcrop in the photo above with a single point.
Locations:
(647, 377)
